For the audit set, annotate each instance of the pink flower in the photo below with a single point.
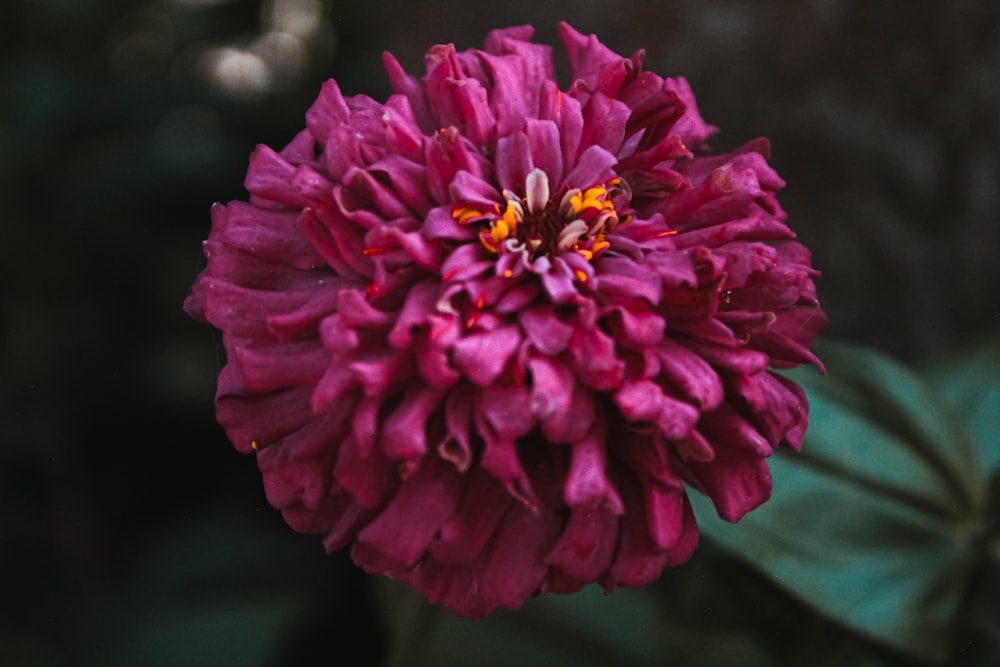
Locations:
(489, 331)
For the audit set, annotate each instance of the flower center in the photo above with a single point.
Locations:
(539, 225)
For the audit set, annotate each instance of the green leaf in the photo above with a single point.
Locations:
(873, 522)
(971, 386)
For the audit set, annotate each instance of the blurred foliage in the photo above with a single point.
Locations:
(885, 521)
(130, 532)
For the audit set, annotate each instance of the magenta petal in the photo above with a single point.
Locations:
(559, 281)
(552, 401)
(500, 459)
(587, 544)
(401, 533)
(440, 224)
(639, 561)
(593, 353)
(277, 366)
(594, 166)
(342, 532)
(636, 327)
(513, 160)
(621, 277)
(482, 356)
(476, 517)
(303, 322)
(546, 154)
(565, 112)
(379, 374)
(266, 233)
(296, 468)
(260, 419)
(508, 410)
(446, 155)
(729, 428)
(645, 401)
(498, 41)
(587, 485)
(512, 563)
(546, 332)
(434, 363)
(404, 434)
(665, 514)
(507, 573)
(456, 446)
(777, 408)
(472, 101)
(410, 86)
(737, 481)
(416, 312)
(270, 177)
(691, 374)
(363, 472)
(604, 123)
(587, 56)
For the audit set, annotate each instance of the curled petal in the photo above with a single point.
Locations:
(586, 546)
(402, 532)
(586, 484)
(482, 356)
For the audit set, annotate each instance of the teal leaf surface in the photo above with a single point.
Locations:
(878, 522)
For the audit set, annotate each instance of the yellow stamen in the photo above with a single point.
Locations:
(254, 446)
(508, 273)
(499, 231)
(581, 276)
(466, 214)
(486, 238)
(595, 197)
(591, 209)
(510, 216)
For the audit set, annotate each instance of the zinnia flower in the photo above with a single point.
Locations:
(488, 332)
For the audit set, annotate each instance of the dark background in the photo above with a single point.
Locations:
(123, 509)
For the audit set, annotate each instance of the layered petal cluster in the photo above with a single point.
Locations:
(489, 331)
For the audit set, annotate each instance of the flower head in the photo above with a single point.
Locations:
(489, 331)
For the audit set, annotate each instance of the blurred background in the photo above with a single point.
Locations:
(130, 531)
